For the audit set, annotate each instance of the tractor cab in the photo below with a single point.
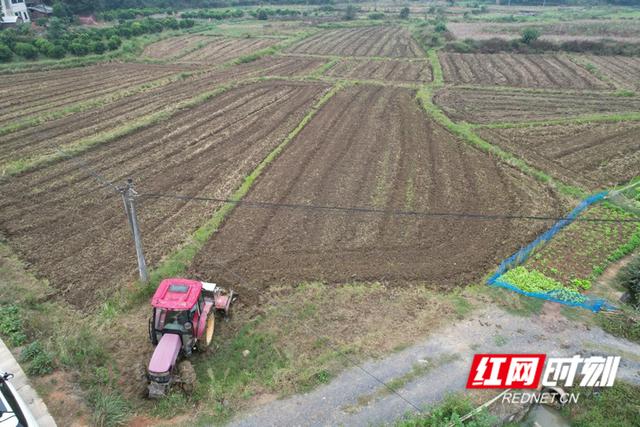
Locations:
(182, 318)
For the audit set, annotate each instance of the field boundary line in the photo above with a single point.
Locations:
(465, 131)
(437, 79)
(531, 90)
(19, 166)
(177, 262)
(319, 72)
(578, 120)
(354, 58)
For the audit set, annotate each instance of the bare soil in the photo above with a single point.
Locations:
(478, 105)
(75, 234)
(37, 92)
(393, 42)
(41, 140)
(624, 71)
(374, 147)
(384, 70)
(224, 49)
(594, 155)
(543, 71)
(173, 47)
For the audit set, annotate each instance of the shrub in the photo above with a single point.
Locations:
(404, 13)
(11, 324)
(5, 53)
(629, 277)
(57, 52)
(43, 45)
(79, 48)
(440, 27)
(114, 42)
(530, 35)
(262, 15)
(376, 15)
(350, 13)
(26, 50)
(97, 47)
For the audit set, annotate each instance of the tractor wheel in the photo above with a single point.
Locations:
(187, 376)
(140, 382)
(210, 328)
(153, 337)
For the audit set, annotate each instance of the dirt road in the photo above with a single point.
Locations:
(356, 399)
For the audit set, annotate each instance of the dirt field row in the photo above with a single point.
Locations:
(40, 140)
(385, 70)
(32, 93)
(174, 46)
(488, 106)
(224, 49)
(622, 70)
(593, 155)
(537, 71)
(373, 146)
(393, 42)
(75, 233)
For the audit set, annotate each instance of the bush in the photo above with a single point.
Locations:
(114, 43)
(5, 53)
(26, 50)
(57, 52)
(440, 27)
(262, 15)
(629, 277)
(404, 13)
(43, 45)
(376, 15)
(350, 13)
(41, 361)
(530, 35)
(97, 47)
(79, 48)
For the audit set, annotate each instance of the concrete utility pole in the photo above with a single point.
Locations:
(129, 198)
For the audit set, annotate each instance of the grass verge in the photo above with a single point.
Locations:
(590, 118)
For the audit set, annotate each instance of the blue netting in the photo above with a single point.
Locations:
(562, 296)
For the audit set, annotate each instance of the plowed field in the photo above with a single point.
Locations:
(543, 71)
(385, 70)
(26, 94)
(368, 41)
(623, 70)
(226, 49)
(374, 147)
(75, 233)
(487, 106)
(41, 139)
(174, 46)
(595, 155)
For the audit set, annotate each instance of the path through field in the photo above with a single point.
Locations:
(492, 331)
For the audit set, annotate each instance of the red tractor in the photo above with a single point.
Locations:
(182, 320)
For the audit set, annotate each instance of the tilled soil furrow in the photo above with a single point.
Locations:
(76, 235)
(339, 161)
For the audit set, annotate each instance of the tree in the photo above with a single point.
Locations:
(529, 35)
(26, 50)
(404, 13)
(440, 27)
(61, 10)
(5, 53)
(262, 15)
(350, 13)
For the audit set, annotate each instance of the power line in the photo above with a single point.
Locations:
(84, 166)
(394, 212)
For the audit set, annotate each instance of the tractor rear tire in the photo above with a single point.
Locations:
(187, 376)
(140, 381)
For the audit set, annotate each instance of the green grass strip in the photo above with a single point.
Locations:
(591, 118)
(465, 131)
(24, 165)
(91, 104)
(178, 262)
(319, 72)
(436, 68)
